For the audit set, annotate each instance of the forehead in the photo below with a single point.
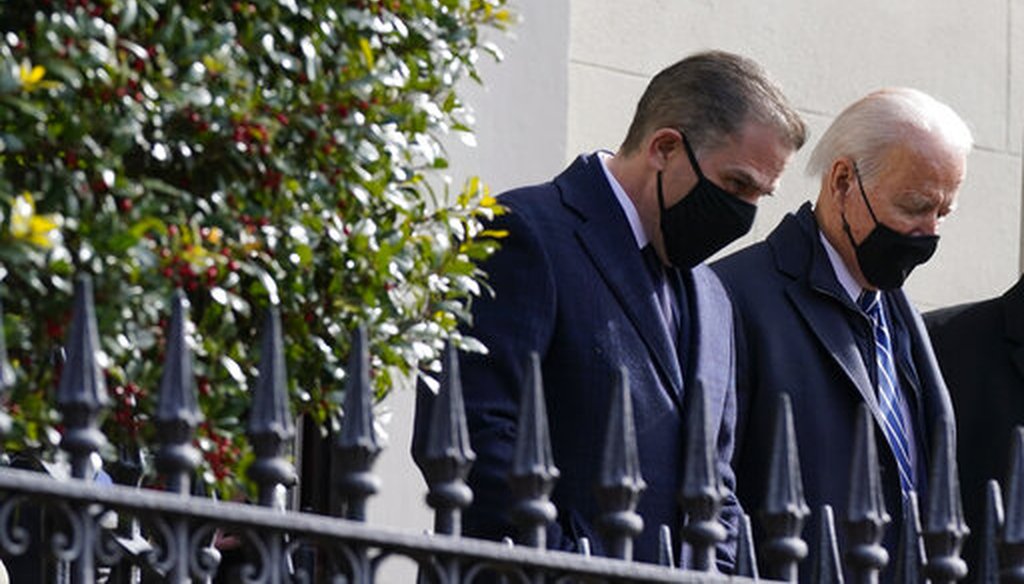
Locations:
(921, 169)
(757, 150)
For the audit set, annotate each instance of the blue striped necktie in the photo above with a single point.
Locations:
(894, 426)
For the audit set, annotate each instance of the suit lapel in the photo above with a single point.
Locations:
(819, 299)
(712, 356)
(602, 235)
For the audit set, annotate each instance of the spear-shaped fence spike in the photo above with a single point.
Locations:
(270, 420)
(785, 507)
(1013, 528)
(665, 556)
(865, 513)
(702, 492)
(619, 483)
(746, 556)
(356, 448)
(533, 473)
(910, 557)
(82, 392)
(988, 571)
(448, 455)
(177, 411)
(6, 380)
(827, 567)
(944, 529)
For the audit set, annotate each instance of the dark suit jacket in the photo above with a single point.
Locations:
(800, 333)
(980, 347)
(571, 284)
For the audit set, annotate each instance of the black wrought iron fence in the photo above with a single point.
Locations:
(95, 532)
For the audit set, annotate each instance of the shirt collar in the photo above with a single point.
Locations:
(624, 201)
(842, 272)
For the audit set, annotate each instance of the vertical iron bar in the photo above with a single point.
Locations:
(270, 420)
(827, 567)
(619, 482)
(177, 415)
(665, 555)
(533, 473)
(356, 447)
(448, 455)
(866, 517)
(910, 557)
(785, 507)
(988, 571)
(702, 492)
(945, 529)
(1013, 528)
(177, 411)
(81, 395)
(746, 555)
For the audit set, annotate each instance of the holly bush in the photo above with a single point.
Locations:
(249, 152)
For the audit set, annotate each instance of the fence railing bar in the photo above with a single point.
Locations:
(702, 493)
(828, 568)
(910, 557)
(533, 474)
(944, 529)
(746, 554)
(356, 448)
(866, 516)
(448, 456)
(785, 508)
(1012, 569)
(619, 482)
(988, 570)
(319, 527)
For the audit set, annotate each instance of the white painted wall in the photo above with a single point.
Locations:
(826, 54)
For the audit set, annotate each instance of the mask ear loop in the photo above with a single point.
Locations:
(860, 185)
(691, 156)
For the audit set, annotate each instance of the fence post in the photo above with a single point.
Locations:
(910, 557)
(666, 557)
(356, 447)
(177, 415)
(81, 395)
(827, 567)
(270, 428)
(1013, 528)
(746, 555)
(448, 456)
(177, 410)
(702, 491)
(619, 481)
(785, 507)
(533, 472)
(988, 571)
(945, 529)
(865, 515)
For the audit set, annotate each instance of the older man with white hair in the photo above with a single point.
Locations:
(820, 310)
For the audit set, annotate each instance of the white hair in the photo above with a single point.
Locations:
(866, 130)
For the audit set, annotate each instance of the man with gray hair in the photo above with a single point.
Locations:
(821, 314)
(601, 270)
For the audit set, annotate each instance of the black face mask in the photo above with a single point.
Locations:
(704, 221)
(886, 256)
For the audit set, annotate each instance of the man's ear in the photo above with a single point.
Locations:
(662, 145)
(842, 182)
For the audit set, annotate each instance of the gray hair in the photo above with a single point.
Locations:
(866, 130)
(709, 96)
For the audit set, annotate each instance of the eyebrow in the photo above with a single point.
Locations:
(748, 180)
